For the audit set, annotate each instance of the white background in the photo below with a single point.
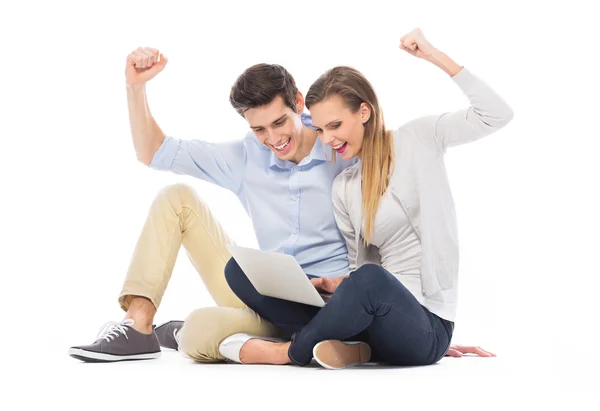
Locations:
(73, 197)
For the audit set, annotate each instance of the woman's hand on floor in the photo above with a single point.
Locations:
(460, 350)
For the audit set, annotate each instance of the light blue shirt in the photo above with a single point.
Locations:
(289, 204)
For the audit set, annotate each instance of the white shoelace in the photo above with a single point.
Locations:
(176, 335)
(112, 329)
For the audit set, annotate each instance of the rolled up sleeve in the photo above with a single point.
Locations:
(222, 164)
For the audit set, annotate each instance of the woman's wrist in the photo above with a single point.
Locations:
(444, 62)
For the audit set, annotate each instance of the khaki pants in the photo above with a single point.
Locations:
(178, 216)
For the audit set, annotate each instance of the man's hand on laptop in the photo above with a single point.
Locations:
(327, 285)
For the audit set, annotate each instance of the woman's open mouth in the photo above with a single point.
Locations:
(340, 148)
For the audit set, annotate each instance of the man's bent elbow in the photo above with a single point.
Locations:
(144, 157)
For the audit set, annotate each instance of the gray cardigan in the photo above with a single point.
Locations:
(420, 184)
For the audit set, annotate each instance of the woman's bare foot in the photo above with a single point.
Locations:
(257, 351)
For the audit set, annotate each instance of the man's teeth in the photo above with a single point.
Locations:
(284, 145)
(338, 146)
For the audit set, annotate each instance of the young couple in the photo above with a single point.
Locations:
(374, 225)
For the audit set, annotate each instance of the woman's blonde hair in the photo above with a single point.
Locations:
(377, 153)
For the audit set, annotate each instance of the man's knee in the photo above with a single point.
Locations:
(201, 334)
(177, 197)
(179, 192)
(205, 328)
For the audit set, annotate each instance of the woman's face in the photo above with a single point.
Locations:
(339, 127)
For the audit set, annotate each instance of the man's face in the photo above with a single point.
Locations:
(278, 127)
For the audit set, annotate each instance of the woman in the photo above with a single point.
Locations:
(395, 210)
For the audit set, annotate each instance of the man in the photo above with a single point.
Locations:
(281, 175)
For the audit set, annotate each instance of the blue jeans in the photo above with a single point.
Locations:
(371, 305)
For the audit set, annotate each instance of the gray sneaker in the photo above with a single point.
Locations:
(167, 334)
(118, 341)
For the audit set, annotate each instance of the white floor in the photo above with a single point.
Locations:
(174, 382)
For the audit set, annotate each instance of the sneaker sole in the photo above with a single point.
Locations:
(91, 356)
(336, 355)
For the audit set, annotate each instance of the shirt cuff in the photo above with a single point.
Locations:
(165, 155)
(463, 78)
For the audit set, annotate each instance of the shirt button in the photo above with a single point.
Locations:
(295, 231)
(295, 168)
(294, 198)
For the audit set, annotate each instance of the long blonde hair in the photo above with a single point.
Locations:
(377, 153)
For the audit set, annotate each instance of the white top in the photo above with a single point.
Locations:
(398, 244)
(397, 241)
(420, 185)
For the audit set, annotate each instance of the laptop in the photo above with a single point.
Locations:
(277, 275)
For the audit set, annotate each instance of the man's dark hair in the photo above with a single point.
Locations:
(260, 84)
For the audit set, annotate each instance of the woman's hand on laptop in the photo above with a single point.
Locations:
(327, 285)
